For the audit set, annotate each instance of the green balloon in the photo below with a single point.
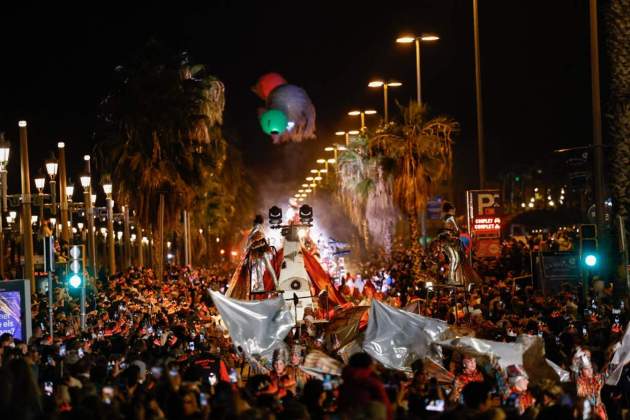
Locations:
(273, 121)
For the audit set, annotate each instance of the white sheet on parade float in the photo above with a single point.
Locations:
(527, 351)
(504, 353)
(258, 326)
(620, 358)
(397, 338)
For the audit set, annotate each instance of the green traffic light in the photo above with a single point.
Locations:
(75, 281)
(590, 260)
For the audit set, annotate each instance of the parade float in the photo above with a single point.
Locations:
(292, 270)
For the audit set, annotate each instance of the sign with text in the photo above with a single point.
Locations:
(484, 213)
(15, 308)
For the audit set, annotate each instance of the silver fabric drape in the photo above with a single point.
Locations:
(257, 327)
(397, 338)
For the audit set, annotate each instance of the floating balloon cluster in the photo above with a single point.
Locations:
(289, 114)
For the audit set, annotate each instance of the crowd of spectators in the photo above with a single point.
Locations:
(155, 348)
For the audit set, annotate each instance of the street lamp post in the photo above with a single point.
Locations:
(51, 169)
(86, 180)
(29, 268)
(111, 251)
(5, 149)
(40, 182)
(385, 86)
(63, 198)
(362, 113)
(408, 39)
(347, 135)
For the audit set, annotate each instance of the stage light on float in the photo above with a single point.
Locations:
(309, 178)
(306, 214)
(429, 285)
(304, 185)
(275, 215)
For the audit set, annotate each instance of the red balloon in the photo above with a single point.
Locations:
(267, 83)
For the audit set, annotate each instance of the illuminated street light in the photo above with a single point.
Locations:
(408, 39)
(385, 86)
(362, 113)
(40, 181)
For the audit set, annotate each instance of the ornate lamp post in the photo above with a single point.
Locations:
(51, 169)
(5, 149)
(111, 251)
(86, 181)
(40, 183)
(29, 269)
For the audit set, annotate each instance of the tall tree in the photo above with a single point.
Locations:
(161, 133)
(364, 190)
(617, 24)
(417, 153)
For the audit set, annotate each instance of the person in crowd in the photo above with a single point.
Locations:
(519, 396)
(283, 374)
(362, 391)
(589, 384)
(469, 373)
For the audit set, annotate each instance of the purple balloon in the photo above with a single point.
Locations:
(297, 106)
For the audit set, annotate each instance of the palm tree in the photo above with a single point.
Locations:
(418, 155)
(161, 136)
(354, 183)
(617, 23)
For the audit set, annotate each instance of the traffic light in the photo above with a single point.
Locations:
(76, 266)
(588, 245)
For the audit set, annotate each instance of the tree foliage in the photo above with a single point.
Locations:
(160, 132)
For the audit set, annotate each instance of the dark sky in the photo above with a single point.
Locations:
(58, 60)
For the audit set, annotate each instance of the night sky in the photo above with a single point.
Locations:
(58, 60)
